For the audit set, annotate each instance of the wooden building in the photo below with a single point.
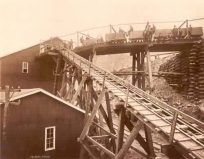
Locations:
(25, 69)
(40, 125)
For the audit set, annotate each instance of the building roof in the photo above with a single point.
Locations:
(27, 92)
(54, 39)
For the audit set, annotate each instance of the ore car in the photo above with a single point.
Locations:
(115, 38)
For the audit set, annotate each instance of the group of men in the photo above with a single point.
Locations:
(177, 33)
(149, 31)
(129, 31)
(82, 39)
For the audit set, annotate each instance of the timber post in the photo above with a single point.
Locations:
(5, 112)
(57, 74)
(133, 67)
(121, 125)
(138, 69)
(5, 116)
(149, 68)
(129, 140)
(173, 128)
(150, 147)
(142, 69)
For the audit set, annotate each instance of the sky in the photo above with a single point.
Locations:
(24, 23)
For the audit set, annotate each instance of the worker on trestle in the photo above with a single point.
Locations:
(130, 30)
(82, 40)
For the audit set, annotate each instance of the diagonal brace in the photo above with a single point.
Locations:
(90, 119)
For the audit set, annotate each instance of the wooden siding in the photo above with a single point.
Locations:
(40, 71)
(26, 128)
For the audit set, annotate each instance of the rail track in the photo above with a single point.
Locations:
(181, 130)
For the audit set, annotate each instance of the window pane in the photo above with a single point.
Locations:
(48, 135)
(48, 130)
(51, 144)
(49, 138)
(24, 67)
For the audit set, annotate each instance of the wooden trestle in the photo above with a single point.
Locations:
(106, 136)
(138, 61)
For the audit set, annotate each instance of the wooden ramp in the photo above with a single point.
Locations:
(140, 110)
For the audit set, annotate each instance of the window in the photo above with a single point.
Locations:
(49, 138)
(24, 67)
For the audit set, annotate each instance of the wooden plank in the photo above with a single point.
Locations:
(182, 126)
(160, 73)
(129, 140)
(110, 119)
(133, 67)
(100, 119)
(148, 136)
(79, 99)
(86, 147)
(93, 113)
(112, 135)
(173, 127)
(142, 119)
(101, 137)
(181, 137)
(79, 89)
(166, 117)
(160, 123)
(135, 104)
(139, 69)
(83, 98)
(104, 149)
(63, 83)
(145, 112)
(105, 116)
(121, 127)
(142, 69)
(189, 144)
(199, 153)
(5, 112)
(147, 104)
(139, 137)
(138, 107)
(108, 108)
(56, 77)
(167, 129)
(149, 68)
(131, 100)
(119, 94)
(152, 117)
(200, 137)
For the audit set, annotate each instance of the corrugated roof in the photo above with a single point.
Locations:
(26, 92)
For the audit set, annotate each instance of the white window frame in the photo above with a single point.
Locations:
(24, 67)
(53, 138)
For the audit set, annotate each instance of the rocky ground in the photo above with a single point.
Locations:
(166, 93)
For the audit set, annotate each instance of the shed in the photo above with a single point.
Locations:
(41, 125)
